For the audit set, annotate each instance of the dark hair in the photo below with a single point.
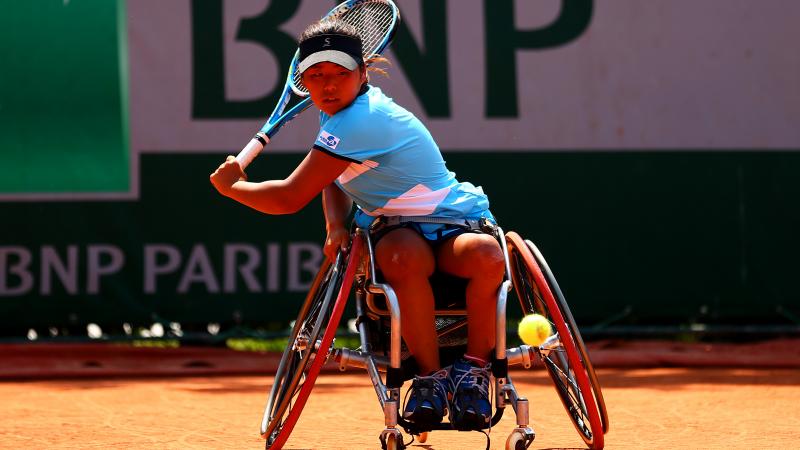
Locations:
(338, 26)
(329, 26)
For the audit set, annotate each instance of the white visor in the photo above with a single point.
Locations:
(334, 56)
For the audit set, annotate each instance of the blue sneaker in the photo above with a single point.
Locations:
(426, 401)
(471, 408)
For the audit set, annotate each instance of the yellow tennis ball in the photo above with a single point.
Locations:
(534, 329)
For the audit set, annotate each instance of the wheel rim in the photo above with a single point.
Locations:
(559, 297)
(295, 362)
(299, 368)
(561, 356)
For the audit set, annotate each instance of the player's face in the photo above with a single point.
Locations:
(332, 86)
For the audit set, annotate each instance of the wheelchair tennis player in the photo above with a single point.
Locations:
(372, 152)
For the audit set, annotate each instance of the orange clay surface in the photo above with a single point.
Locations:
(648, 408)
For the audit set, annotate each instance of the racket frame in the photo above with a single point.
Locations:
(280, 116)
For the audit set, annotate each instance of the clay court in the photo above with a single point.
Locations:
(695, 406)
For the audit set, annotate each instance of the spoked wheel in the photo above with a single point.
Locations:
(563, 354)
(308, 346)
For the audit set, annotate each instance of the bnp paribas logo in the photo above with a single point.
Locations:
(424, 56)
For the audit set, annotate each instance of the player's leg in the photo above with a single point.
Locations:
(406, 261)
(478, 258)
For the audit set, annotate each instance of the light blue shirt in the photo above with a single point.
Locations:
(396, 167)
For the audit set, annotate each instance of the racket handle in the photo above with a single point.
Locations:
(252, 149)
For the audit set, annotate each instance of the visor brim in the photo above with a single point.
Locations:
(334, 56)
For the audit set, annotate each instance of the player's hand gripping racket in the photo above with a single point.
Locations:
(375, 20)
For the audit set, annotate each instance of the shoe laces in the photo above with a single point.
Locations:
(472, 376)
(440, 381)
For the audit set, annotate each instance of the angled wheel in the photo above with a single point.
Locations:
(308, 346)
(563, 354)
(573, 327)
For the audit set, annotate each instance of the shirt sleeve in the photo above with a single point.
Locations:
(345, 136)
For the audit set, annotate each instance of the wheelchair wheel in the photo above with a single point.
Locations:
(564, 354)
(308, 346)
(567, 314)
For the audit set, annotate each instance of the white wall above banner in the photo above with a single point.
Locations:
(486, 75)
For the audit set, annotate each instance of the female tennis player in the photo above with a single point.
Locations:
(372, 152)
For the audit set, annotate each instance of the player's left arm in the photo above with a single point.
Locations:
(287, 196)
(337, 207)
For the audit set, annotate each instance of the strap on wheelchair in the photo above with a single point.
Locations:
(499, 366)
(482, 225)
(394, 377)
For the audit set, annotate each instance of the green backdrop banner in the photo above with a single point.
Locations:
(63, 99)
(672, 237)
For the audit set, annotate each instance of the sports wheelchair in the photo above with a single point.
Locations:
(382, 352)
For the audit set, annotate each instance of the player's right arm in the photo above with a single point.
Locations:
(337, 206)
(288, 196)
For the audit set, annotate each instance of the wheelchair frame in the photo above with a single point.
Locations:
(526, 272)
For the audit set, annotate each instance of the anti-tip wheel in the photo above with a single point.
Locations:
(519, 440)
(394, 441)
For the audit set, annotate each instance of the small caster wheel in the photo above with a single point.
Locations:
(393, 442)
(423, 437)
(519, 439)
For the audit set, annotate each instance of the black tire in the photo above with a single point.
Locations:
(292, 376)
(566, 360)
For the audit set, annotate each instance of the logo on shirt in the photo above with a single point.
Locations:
(328, 139)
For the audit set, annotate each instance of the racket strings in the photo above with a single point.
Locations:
(374, 21)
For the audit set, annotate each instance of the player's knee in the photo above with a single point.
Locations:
(487, 259)
(403, 255)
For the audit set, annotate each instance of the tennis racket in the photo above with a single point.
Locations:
(376, 22)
